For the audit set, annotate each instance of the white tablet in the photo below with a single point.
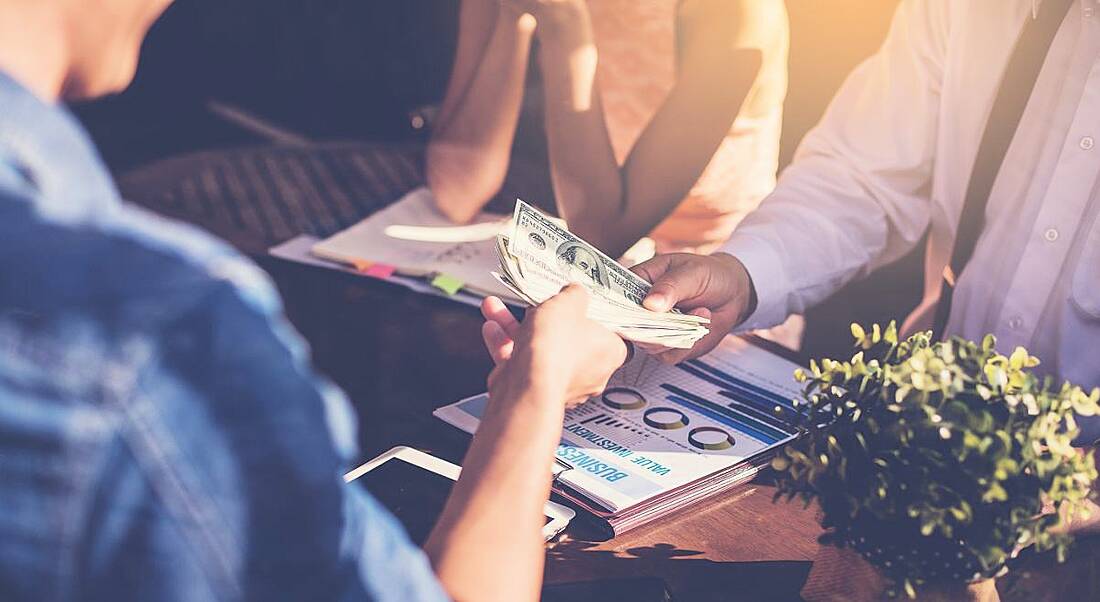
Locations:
(414, 486)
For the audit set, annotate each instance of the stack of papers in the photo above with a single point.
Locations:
(538, 257)
(411, 238)
(662, 438)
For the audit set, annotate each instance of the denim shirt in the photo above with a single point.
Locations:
(162, 435)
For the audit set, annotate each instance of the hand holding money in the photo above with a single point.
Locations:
(574, 357)
(717, 286)
(539, 257)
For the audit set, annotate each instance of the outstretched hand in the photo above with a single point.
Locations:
(712, 286)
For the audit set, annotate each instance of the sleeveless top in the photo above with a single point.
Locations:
(636, 43)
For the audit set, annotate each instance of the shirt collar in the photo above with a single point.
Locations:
(49, 149)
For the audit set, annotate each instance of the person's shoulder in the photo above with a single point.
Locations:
(51, 344)
(113, 259)
(77, 287)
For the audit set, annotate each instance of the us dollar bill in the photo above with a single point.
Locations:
(539, 256)
(556, 252)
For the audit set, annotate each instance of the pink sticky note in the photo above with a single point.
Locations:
(380, 270)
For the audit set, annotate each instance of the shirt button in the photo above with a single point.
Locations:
(1016, 323)
(1087, 143)
(1051, 234)
(1088, 11)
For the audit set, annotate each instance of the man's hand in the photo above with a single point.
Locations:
(556, 349)
(712, 286)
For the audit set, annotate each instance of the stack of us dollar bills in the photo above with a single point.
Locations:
(538, 257)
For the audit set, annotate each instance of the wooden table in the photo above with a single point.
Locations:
(399, 355)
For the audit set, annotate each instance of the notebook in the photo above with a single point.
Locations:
(662, 438)
(412, 238)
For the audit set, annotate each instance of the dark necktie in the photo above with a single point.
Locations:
(1016, 87)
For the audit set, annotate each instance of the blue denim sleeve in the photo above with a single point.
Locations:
(162, 434)
(380, 549)
(137, 547)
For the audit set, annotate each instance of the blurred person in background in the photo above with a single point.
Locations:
(162, 433)
(661, 117)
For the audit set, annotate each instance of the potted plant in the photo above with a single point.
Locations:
(934, 463)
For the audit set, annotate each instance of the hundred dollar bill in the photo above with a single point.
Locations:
(538, 241)
(534, 274)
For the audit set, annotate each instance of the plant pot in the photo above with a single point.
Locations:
(842, 575)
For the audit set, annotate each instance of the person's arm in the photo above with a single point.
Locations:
(488, 544)
(721, 47)
(856, 196)
(467, 158)
(732, 65)
(583, 168)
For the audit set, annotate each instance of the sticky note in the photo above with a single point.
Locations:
(361, 265)
(380, 270)
(447, 284)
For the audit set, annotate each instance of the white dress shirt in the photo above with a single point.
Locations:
(893, 156)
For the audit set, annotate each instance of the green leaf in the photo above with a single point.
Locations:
(891, 334)
(995, 493)
(988, 342)
(1018, 359)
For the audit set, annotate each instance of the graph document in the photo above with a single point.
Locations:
(659, 427)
